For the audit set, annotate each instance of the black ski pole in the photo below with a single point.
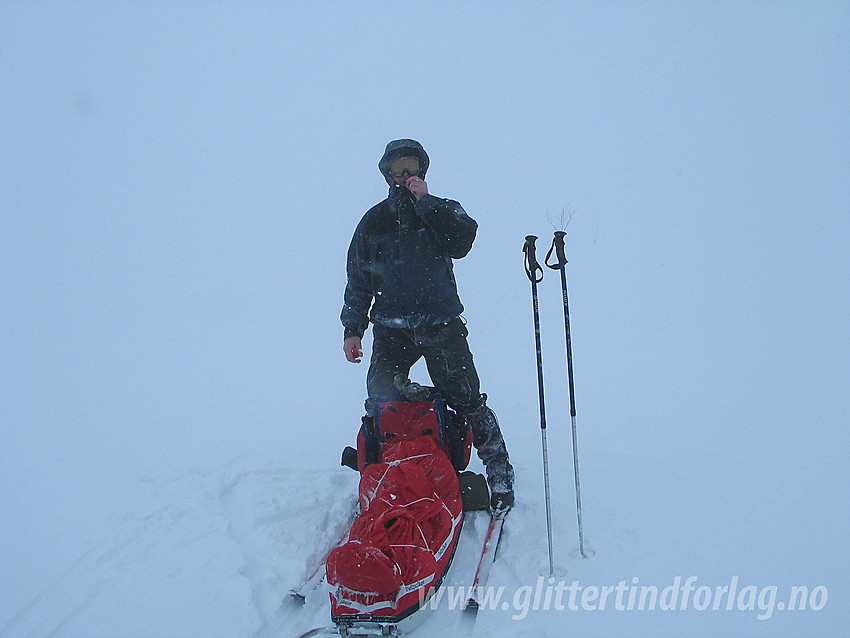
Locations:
(535, 276)
(560, 264)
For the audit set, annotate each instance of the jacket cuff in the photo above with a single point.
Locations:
(352, 332)
(428, 203)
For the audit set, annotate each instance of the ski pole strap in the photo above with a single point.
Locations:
(558, 249)
(532, 268)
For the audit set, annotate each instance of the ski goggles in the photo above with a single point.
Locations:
(402, 165)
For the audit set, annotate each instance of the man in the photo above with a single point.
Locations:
(400, 266)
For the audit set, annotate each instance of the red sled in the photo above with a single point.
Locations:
(392, 420)
(411, 512)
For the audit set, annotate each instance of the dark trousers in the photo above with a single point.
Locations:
(447, 357)
(453, 374)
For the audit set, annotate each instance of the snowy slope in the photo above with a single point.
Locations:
(215, 553)
(179, 184)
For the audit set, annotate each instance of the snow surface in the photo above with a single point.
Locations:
(178, 186)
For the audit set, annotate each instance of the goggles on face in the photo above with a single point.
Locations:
(402, 165)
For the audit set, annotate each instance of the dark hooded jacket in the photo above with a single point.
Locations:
(401, 255)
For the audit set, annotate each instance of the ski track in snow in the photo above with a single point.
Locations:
(214, 554)
(267, 520)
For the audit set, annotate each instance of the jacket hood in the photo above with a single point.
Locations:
(402, 148)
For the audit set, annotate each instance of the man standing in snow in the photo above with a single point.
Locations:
(400, 258)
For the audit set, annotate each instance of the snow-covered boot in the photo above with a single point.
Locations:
(501, 502)
(411, 390)
(490, 445)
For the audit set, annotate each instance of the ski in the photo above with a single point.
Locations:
(312, 583)
(321, 631)
(488, 555)
(354, 631)
(317, 577)
(275, 626)
(492, 538)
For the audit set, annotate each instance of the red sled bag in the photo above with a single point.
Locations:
(402, 543)
(391, 419)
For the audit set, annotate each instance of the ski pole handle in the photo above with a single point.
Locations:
(532, 268)
(558, 249)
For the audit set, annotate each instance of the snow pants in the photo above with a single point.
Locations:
(449, 362)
